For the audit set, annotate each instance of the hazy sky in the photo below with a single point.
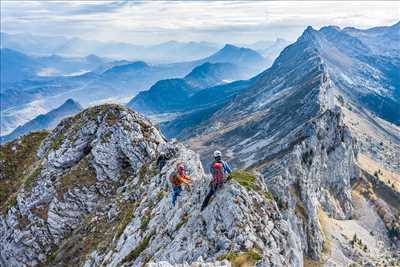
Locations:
(158, 21)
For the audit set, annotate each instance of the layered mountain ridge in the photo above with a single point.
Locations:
(118, 81)
(173, 95)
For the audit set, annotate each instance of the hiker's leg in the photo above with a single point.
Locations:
(178, 190)
(207, 199)
(175, 193)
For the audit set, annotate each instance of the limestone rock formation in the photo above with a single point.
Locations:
(88, 194)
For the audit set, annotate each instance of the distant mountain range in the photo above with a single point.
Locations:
(171, 51)
(196, 90)
(111, 81)
(167, 52)
(45, 121)
(272, 51)
(16, 66)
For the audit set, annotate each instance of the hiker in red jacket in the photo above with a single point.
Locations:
(220, 171)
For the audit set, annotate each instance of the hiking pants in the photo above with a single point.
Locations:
(176, 190)
(211, 192)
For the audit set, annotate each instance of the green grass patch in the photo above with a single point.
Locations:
(10, 202)
(267, 195)
(57, 143)
(183, 221)
(160, 196)
(245, 179)
(124, 218)
(241, 259)
(249, 181)
(145, 221)
(16, 161)
(134, 254)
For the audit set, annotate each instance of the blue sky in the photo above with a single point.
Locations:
(146, 22)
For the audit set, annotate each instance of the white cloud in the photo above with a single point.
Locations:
(150, 22)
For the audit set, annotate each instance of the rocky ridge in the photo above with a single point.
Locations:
(293, 127)
(89, 195)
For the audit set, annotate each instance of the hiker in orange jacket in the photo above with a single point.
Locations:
(177, 178)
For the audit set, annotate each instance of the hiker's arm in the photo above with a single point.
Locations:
(185, 179)
(227, 168)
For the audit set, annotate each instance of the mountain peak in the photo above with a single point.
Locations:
(309, 35)
(237, 55)
(396, 25)
(330, 28)
(45, 121)
(136, 65)
(139, 64)
(211, 74)
(71, 103)
(97, 173)
(230, 46)
(309, 29)
(204, 68)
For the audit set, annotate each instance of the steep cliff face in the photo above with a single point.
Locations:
(89, 195)
(314, 176)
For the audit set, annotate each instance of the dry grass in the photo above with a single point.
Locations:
(373, 167)
(82, 174)
(135, 253)
(23, 222)
(41, 212)
(90, 235)
(242, 259)
(307, 262)
(125, 217)
(327, 245)
(18, 162)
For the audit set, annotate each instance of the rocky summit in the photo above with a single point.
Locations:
(88, 194)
